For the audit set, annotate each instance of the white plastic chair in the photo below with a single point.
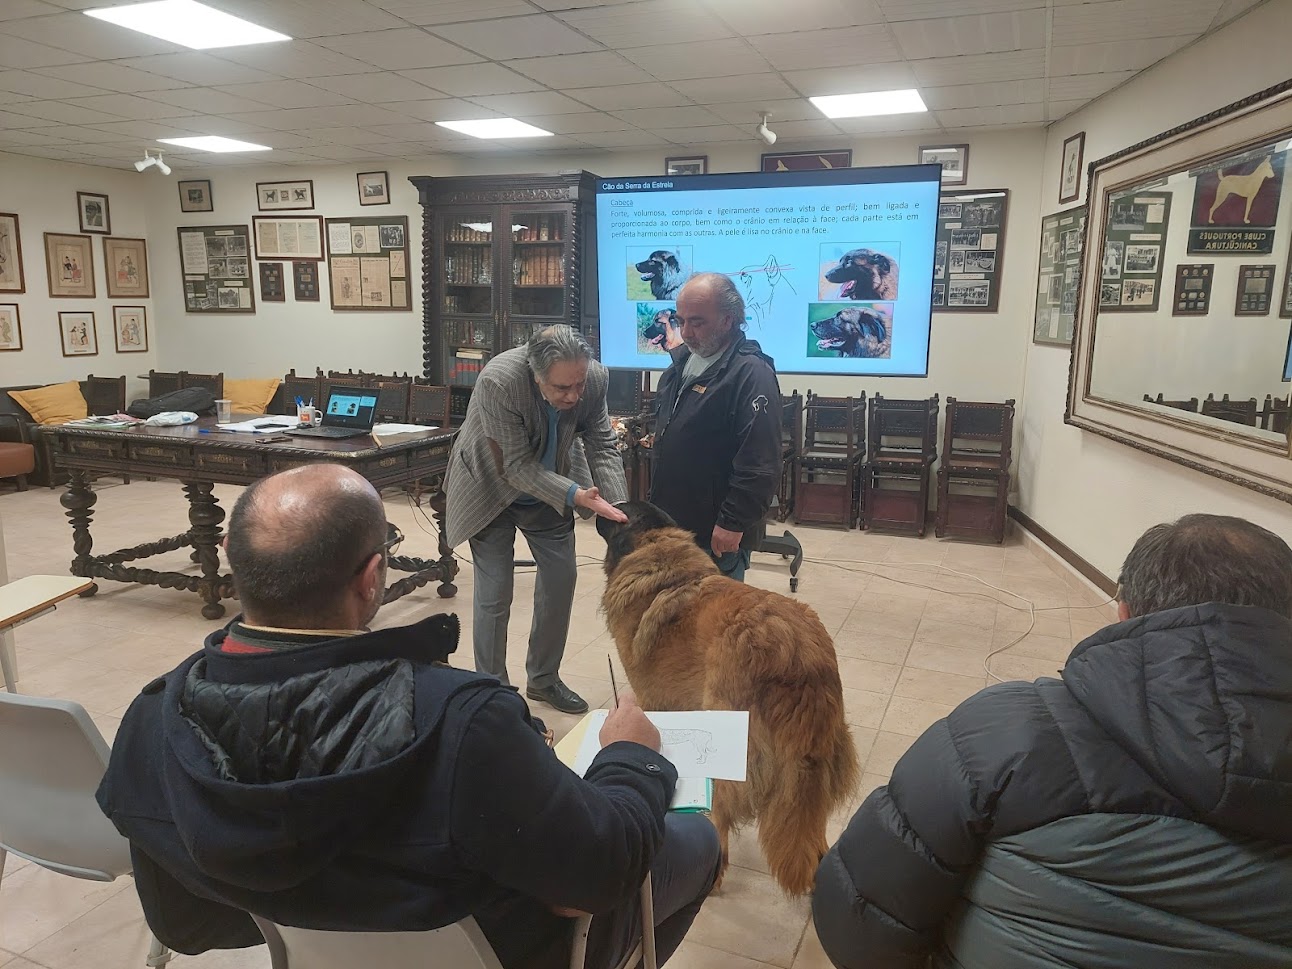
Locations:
(461, 945)
(52, 758)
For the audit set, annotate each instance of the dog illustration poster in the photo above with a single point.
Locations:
(792, 243)
(1236, 203)
(850, 330)
(861, 270)
(658, 272)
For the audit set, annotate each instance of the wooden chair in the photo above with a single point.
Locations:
(296, 385)
(105, 396)
(901, 446)
(1238, 411)
(1275, 415)
(973, 480)
(1191, 405)
(429, 404)
(829, 464)
(459, 399)
(214, 382)
(393, 400)
(162, 382)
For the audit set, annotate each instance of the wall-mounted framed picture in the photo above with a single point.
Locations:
(11, 276)
(1059, 277)
(1255, 291)
(130, 328)
(291, 237)
(125, 265)
(374, 188)
(80, 339)
(69, 266)
(954, 160)
(93, 209)
(195, 195)
(272, 289)
(969, 249)
(215, 267)
(806, 161)
(283, 196)
(687, 165)
(10, 327)
(1074, 150)
(368, 263)
(305, 281)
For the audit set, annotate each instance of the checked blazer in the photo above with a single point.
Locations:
(496, 456)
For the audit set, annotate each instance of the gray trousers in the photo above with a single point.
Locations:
(550, 535)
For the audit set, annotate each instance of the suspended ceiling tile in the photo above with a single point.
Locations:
(644, 24)
(16, 52)
(1117, 20)
(980, 68)
(105, 76)
(195, 67)
(753, 17)
(1085, 86)
(619, 97)
(738, 87)
(840, 48)
(517, 37)
(1031, 91)
(36, 84)
(297, 59)
(979, 34)
(93, 39)
(286, 94)
(581, 70)
(402, 49)
(869, 77)
(425, 13)
(472, 79)
(653, 119)
(714, 58)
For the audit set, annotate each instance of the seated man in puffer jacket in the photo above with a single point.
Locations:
(322, 775)
(1136, 812)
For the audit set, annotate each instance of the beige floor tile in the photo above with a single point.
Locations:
(753, 918)
(966, 610)
(865, 622)
(935, 686)
(1056, 624)
(864, 708)
(811, 955)
(896, 582)
(947, 659)
(887, 751)
(1027, 668)
(912, 717)
(865, 674)
(952, 634)
(1039, 647)
(692, 955)
(36, 903)
(857, 644)
(12, 961)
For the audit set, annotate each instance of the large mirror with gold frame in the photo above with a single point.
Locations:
(1182, 345)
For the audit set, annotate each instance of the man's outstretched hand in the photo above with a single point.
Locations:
(590, 498)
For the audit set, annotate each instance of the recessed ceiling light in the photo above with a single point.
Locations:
(495, 128)
(215, 143)
(187, 23)
(871, 103)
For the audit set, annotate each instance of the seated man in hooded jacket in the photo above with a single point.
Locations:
(1134, 812)
(324, 776)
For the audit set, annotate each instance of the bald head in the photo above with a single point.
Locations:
(712, 312)
(297, 540)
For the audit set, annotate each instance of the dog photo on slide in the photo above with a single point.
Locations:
(658, 328)
(658, 272)
(692, 639)
(862, 271)
(847, 330)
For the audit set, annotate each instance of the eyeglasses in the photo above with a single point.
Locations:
(393, 539)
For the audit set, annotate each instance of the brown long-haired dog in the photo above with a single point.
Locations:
(692, 639)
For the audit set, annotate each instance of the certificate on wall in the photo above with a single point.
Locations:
(279, 237)
(368, 263)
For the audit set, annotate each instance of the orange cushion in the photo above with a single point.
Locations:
(251, 396)
(54, 404)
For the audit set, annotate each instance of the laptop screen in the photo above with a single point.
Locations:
(350, 408)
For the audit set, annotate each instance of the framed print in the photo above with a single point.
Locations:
(1070, 175)
(1134, 235)
(195, 195)
(1255, 292)
(10, 327)
(1236, 202)
(125, 264)
(93, 209)
(954, 160)
(1193, 289)
(292, 237)
(368, 263)
(1285, 304)
(305, 282)
(689, 165)
(1059, 277)
(806, 161)
(215, 269)
(130, 328)
(11, 277)
(271, 282)
(374, 188)
(78, 333)
(281, 196)
(69, 266)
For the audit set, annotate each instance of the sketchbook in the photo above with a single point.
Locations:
(701, 744)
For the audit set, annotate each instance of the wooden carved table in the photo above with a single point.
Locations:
(201, 458)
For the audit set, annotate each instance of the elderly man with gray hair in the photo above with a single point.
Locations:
(515, 467)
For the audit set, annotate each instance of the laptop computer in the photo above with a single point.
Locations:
(350, 412)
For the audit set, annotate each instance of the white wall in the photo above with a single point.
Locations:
(43, 194)
(1095, 495)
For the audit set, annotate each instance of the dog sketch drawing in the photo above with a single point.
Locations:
(865, 274)
(664, 272)
(758, 285)
(1246, 187)
(702, 740)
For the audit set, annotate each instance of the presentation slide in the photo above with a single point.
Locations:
(836, 266)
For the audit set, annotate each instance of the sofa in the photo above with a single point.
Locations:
(103, 395)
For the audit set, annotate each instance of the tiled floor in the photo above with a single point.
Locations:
(912, 625)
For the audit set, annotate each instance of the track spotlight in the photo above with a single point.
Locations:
(766, 133)
(148, 161)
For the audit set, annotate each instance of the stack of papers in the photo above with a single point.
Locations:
(265, 424)
(703, 745)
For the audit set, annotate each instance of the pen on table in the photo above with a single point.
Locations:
(613, 685)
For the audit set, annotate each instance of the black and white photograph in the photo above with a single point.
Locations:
(1142, 259)
(939, 294)
(949, 210)
(392, 236)
(981, 215)
(957, 262)
(283, 196)
(1139, 292)
(195, 195)
(1068, 303)
(954, 160)
(229, 297)
(1114, 253)
(940, 260)
(238, 267)
(1048, 249)
(966, 239)
(968, 292)
(374, 188)
(1128, 216)
(1110, 294)
(1071, 244)
(218, 268)
(93, 209)
(980, 261)
(236, 246)
(686, 165)
(1055, 289)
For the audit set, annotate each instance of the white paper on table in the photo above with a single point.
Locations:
(402, 428)
(699, 743)
(285, 423)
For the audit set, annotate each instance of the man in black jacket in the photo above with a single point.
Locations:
(717, 452)
(1135, 812)
(324, 776)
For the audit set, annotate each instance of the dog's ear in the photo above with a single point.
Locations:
(883, 264)
(671, 260)
(620, 543)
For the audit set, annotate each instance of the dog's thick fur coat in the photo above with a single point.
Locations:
(692, 639)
